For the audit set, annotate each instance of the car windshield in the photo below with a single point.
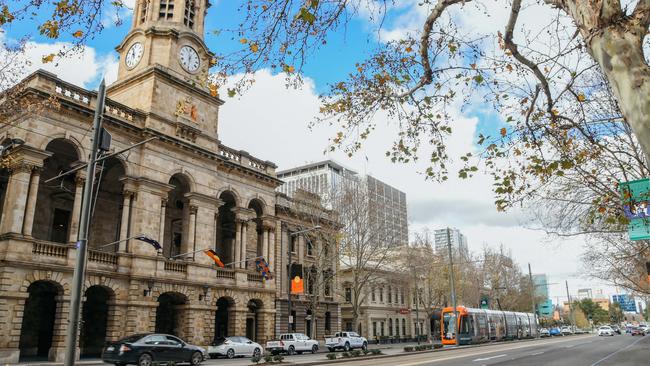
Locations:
(132, 338)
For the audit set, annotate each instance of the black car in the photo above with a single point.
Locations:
(145, 349)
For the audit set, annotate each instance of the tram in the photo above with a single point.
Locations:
(481, 325)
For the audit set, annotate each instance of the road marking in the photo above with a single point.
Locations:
(612, 354)
(489, 358)
(536, 353)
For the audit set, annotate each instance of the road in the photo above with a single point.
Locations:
(622, 350)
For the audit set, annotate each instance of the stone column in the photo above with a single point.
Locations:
(215, 234)
(28, 223)
(244, 244)
(16, 199)
(163, 214)
(238, 225)
(124, 222)
(271, 258)
(265, 243)
(191, 232)
(76, 208)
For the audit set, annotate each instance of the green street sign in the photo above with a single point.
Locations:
(485, 302)
(636, 206)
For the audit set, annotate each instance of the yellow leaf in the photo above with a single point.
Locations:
(48, 58)
(504, 131)
(581, 98)
(360, 69)
(289, 68)
(78, 34)
(473, 66)
(555, 112)
(509, 67)
(254, 48)
(213, 90)
(243, 41)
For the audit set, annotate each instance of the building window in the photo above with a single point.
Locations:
(144, 7)
(390, 294)
(189, 13)
(390, 327)
(403, 326)
(381, 295)
(402, 297)
(396, 294)
(348, 326)
(292, 241)
(166, 10)
(381, 329)
(310, 248)
(328, 321)
(374, 329)
(372, 294)
(348, 294)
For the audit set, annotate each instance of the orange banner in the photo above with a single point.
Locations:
(297, 286)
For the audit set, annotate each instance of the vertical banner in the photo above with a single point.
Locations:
(636, 206)
(297, 283)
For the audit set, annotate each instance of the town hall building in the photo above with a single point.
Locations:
(183, 187)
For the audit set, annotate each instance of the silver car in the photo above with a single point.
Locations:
(232, 347)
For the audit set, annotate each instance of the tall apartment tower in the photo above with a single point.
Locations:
(442, 237)
(323, 178)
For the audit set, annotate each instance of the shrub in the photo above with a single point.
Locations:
(356, 353)
(256, 359)
(345, 354)
(331, 356)
(365, 351)
(278, 358)
(408, 349)
(375, 351)
(268, 358)
(436, 346)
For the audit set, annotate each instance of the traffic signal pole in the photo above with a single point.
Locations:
(84, 224)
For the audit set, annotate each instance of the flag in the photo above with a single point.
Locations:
(297, 283)
(263, 267)
(212, 254)
(149, 240)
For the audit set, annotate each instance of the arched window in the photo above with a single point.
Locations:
(144, 8)
(166, 10)
(189, 13)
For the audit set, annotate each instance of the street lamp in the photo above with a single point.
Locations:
(291, 236)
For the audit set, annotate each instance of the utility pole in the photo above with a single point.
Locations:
(453, 287)
(532, 296)
(84, 224)
(571, 319)
(417, 307)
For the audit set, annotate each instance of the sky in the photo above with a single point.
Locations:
(271, 122)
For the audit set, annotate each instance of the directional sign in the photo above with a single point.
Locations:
(636, 206)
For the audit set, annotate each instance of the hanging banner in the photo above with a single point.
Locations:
(297, 283)
(636, 206)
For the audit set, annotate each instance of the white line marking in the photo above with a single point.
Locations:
(489, 358)
(612, 354)
(536, 353)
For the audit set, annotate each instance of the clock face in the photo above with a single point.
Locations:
(134, 55)
(189, 58)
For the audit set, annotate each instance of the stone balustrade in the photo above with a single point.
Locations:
(102, 257)
(50, 249)
(74, 93)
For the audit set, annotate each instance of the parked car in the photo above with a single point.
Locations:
(637, 331)
(605, 330)
(566, 330)
(645, 328)
(232, 347)
(555, 331)
(543, 332)
(292, 343)
(145, 349)
(345, 341)
(580, 331)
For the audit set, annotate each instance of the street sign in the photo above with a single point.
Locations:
(290, 319)
(485, 304)
(636, 206)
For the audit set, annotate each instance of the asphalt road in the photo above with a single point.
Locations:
(621, 350)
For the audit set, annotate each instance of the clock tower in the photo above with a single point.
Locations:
(163, 70)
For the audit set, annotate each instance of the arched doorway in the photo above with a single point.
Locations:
(226, 227)
(169, 315)
(252, 319)
(94, 316)
(258, 207)
(39, 314)
(107, 213)
(55, 200)
(308, 322)
(222, 317)
(177, 216)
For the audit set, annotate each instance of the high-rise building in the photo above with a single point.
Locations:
(325, 178)
(585, 293)
(442, 237)
(541, 285)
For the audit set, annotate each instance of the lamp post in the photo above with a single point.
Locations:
(291, 236)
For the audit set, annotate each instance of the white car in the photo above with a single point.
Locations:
(605, 330)
(232, 347)
(292, 343)
(345, 341)
(645, 328)
(566, 330)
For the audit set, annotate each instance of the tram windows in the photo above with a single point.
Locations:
(449, 325)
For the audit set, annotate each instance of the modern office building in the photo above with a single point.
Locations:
(541, 285)
(442, 237)
(326, 178)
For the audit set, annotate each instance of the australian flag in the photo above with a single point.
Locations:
(149, 240)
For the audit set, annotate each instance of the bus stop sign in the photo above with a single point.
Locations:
(636, 207)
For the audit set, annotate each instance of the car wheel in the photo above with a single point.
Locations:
(314, 349)
(299, 352)
(145, 360)
(292, 350)
(257, 352)
(346, 348)
(230, 353)
(196, 359)
(331, 349)
(364, 346)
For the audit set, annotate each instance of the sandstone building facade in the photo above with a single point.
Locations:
(184, 188)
